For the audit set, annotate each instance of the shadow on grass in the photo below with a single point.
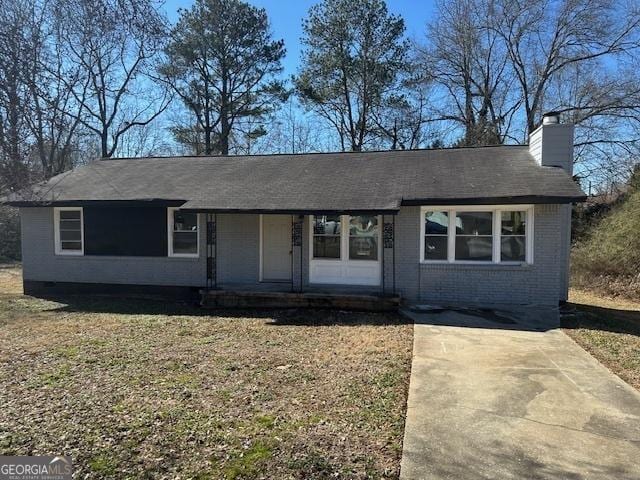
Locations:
(599, 318)
(157, 306)
(8, 264)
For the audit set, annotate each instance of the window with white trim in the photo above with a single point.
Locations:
(346, 237)
(474, 236)
(326, 236)
(69, 231)
(183, 233)
(436, 237)
(363, 237)
(477, 234)
(513, 236)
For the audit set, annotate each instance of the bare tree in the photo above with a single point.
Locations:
(145, 141)
(544, 38)
(15, 50)
(54, 114)
(467, 62)
(114, 43)
(292, 130)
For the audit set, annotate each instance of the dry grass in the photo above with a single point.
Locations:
(10, 279)
(608, 285)
(607, 260)
(142, 389)
(609, 329)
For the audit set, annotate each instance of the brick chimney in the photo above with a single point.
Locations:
(551, 144)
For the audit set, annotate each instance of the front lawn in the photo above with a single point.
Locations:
(145, 389)
(609, 329)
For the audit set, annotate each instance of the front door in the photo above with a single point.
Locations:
(345, 250)
(276, 248)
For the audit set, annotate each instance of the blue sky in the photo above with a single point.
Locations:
(286, 20)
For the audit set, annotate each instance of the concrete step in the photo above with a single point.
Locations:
(255, 299)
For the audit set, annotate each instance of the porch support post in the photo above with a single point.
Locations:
(394, 257)
(383, 269)
(212, 251)
(388, 253)
(297, 237)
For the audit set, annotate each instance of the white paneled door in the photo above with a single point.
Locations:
(276, 248)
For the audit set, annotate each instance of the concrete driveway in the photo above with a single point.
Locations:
(509, 396)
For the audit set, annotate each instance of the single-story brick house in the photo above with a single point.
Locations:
(473, 225)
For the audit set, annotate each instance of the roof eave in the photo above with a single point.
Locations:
(508, 200)
(152, 202)
(306, 211)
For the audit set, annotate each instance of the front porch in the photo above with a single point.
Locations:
(296, 260)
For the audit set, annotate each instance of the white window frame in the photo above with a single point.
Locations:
(343, 270)
(170, 232)
(343, 220)
(344, 241)
(496, 210)
(56, 223)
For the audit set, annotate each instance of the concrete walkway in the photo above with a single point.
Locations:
(510, 397)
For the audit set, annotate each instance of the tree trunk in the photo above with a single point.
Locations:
(224, 114)
(104, 143)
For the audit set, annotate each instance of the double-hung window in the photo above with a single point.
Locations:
(326, 236)
(487, 234)
(436, 235)
(363, 237)
(183, 233)
(345, 237)
(474, 236)
(513, 236)
(69, 231)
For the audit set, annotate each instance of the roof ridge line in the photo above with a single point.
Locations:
(267, 155)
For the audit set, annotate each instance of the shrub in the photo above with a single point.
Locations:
(609, 257)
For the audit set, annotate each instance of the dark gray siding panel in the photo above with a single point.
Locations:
(125, 231)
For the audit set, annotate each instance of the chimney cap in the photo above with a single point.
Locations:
(550, 118)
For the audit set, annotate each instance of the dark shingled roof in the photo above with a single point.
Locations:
(315, 182)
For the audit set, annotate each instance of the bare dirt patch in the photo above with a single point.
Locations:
(609, 329)
(144, 389)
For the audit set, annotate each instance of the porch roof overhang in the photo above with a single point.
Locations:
(366, 182)
(303, 208)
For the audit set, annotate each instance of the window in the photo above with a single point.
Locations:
(474, 236)
(345, 237)
(183, 233)
(363, 237)
(436, 229)
(69, 231)
(513, 237)
(326, 236)
(495, 234)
